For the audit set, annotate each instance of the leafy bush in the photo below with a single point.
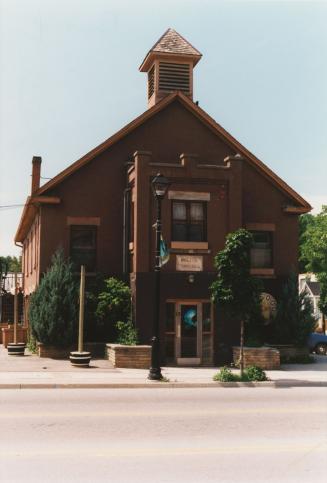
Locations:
(255, 373)
(226, 375)
(251, 374)
(114, 303)
(294, 320)
(94, 327)
(126, 333)
(53, 306)
(31, 344)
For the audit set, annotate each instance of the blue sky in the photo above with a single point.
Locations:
(69, 79)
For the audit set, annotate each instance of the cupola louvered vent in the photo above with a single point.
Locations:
(151, 82)
(174, 77)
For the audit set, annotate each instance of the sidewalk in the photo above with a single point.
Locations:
(32, 372)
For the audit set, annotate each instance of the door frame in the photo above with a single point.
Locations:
(178, 302)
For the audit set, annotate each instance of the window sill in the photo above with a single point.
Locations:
(184, 245)
(266, 272)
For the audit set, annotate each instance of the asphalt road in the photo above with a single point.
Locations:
(164, 435)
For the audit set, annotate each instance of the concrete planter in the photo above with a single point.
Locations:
(265, 357)
(129, 356)
(288, 352)
(53, 352)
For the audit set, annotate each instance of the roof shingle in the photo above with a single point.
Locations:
(173, 43)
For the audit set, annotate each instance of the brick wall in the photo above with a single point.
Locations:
(264, 357)
(133, 356)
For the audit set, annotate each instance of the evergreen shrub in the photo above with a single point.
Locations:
(53, 306)
(294, 319)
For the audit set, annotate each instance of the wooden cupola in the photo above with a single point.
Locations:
(169, 65)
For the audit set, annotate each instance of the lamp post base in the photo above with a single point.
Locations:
(155, 374)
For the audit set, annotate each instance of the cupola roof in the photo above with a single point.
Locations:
(171, 43)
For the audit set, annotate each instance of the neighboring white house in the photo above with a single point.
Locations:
(309, 284)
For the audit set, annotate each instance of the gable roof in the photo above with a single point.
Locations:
(203, 117)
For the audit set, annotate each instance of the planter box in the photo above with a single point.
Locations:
(288, 352)
(264, 357)
(129, 356)
(97, 350)
(8, 335)
(53, 352)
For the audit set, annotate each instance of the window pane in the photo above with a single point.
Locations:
(261, 258)
(179, 211)
(83, 247)
(196, 212)
(261, 239)
(179, 232)
(261, 252)
(195, 232)
(83, 237)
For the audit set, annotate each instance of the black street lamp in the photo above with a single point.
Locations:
(160, 186)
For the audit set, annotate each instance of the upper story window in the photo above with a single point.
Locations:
(189, 221)
(262, 249)
(83, 244)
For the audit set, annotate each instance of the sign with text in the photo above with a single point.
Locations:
(189, 263)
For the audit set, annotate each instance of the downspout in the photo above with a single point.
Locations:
(126, 234)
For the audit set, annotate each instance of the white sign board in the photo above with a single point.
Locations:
(189, 263)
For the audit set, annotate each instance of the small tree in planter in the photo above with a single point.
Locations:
(235, 289)
(53, 306)
(114, 304)
(114, 308)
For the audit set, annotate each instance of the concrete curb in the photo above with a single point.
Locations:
(131, 385)
(163, 385)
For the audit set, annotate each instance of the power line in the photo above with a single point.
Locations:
(8, 207)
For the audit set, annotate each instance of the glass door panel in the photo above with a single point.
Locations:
(189, 330)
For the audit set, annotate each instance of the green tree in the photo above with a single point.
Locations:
(313, 251)
(305, 221)
(53, 306)
(235, 289)
(11, 264)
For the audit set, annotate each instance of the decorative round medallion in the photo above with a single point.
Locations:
(268, 306)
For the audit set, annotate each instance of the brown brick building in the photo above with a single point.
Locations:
(101, 210)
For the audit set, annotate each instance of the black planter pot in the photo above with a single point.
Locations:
(17, 349)
(80, 359)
